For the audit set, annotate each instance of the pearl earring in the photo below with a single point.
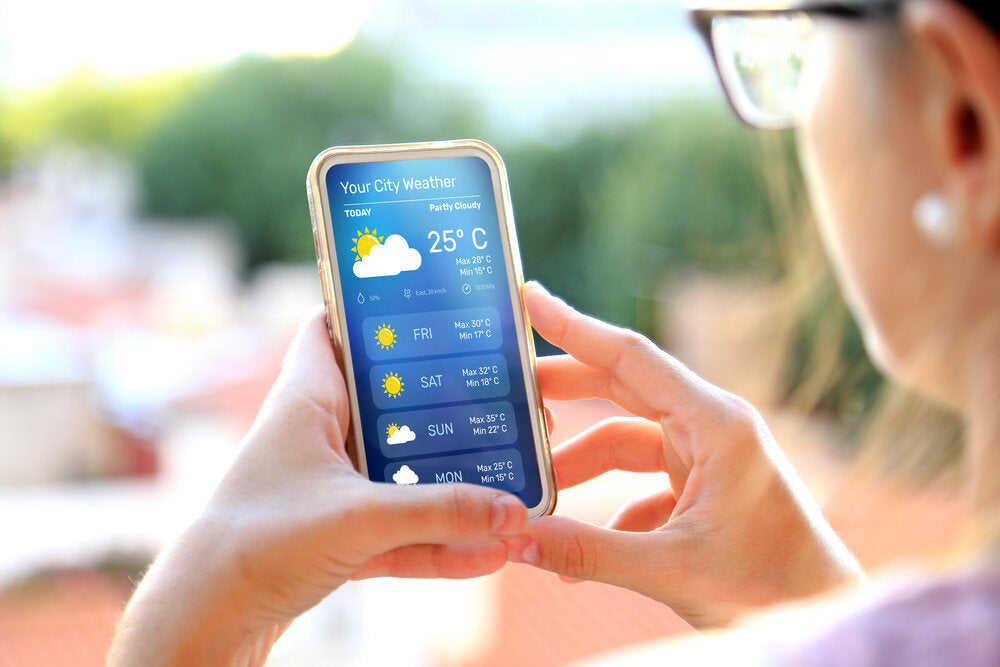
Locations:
(936, 219)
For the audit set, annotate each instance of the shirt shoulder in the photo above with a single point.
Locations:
(912, 621)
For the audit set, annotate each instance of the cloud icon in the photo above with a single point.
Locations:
(400, 435)
(387, 259)
(405, 475)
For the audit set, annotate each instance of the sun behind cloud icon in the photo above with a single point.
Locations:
(405, 476)
(397, 435)
(365, 242)
(373, 258)
(392, 384)
(385, 336)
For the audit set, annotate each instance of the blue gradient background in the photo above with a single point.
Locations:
(437, 271)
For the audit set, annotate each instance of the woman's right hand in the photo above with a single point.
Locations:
(735, 529)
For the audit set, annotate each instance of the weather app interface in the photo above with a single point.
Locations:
(441, 390)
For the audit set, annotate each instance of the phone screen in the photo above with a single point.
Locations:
(438, 370)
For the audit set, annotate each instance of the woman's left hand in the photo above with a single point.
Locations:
(292, 520)
(733, 529)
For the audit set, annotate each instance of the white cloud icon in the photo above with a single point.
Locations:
(388, 259)
(405, 475)
(402, 434)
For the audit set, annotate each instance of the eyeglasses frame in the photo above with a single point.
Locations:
(702, 19)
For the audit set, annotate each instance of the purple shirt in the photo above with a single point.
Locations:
(913, 619)
(952, 621)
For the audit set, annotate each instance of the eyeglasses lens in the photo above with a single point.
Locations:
(760, 59)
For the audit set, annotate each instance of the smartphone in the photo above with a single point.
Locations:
(421, 277)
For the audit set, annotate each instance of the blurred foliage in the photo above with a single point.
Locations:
(238, 147)
(604, 217)
(88, 109)
(6, 148)
(679, 187)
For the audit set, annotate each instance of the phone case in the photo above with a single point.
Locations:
(319, 207)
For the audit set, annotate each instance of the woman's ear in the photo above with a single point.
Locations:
(965, 56)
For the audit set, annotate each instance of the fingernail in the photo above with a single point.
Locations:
(523, 549)
(530, 553)
(508, 516)
(535, 285)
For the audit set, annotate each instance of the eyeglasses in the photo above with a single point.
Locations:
(760, 54)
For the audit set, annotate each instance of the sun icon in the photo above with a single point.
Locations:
(392, 428)
(385, 336)
(392, 385)
(365, 242)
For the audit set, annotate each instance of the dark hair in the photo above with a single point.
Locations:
(987, 10)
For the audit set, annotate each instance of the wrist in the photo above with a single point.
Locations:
(189, 609)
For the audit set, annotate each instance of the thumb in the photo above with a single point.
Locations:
(583, 551)
(310, 370)
(442, 514)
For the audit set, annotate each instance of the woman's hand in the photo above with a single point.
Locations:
(735, 529)
(292, 520)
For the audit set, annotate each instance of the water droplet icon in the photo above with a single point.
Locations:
(361, 297)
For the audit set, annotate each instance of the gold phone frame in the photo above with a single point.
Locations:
(326, 259)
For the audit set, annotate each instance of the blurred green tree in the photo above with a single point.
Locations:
(239, 146)
(88, 109)
(604, 218)
(6, 147)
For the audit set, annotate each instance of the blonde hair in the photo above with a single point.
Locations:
(894, 435)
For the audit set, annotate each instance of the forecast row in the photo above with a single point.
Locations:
(430, 381)
(500, 469)
(432, 333)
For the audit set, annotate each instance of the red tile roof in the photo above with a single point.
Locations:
(66, 619)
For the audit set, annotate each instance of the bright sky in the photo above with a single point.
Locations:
(42, 41)
(532, 64)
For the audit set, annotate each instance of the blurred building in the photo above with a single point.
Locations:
(81, 279)
(132, 359)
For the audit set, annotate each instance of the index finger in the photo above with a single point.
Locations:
(641, 367)
(618, 443)
(564, 378)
